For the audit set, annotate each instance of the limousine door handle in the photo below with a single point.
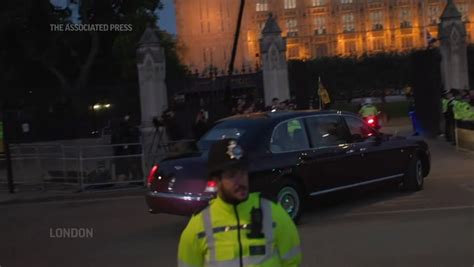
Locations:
(363, 149)
(350, 151)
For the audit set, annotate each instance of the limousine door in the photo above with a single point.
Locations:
(335, 163)
(381, 159)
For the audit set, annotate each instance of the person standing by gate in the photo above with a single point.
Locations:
(447, 106)
(238, 228)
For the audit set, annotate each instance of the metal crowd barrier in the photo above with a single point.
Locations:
(87, 166)
(111, 165)
(28, 162)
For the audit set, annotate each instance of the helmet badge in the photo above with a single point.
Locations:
(234, 151)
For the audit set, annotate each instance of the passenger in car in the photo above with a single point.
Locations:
(298, 140)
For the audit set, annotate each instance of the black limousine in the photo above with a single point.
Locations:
(293, 155)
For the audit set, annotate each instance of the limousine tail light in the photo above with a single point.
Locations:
(151, 176)
(211, 187)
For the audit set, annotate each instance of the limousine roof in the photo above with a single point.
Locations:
(282, 115)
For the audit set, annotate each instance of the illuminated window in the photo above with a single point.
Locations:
(262, 5)
(346, 1)
(376, 18)
(289, 4)
(320, 25)
(319, 2)
(350, 47)
(378, 44)
(348, 24)
(405, 18)
(205, 55)
(292, 26)
(407, 42)
(433, 15)
(293, 52)
(321, 50)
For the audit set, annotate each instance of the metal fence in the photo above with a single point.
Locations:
(79, 166)
(87, 166)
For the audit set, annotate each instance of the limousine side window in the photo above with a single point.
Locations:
(360, 131)
(289, 136)
(327, 131)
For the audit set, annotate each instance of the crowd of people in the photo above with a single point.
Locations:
(246, 105)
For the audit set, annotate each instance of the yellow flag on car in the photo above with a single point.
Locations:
(323, 93)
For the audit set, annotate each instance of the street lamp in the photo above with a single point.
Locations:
(99, 106)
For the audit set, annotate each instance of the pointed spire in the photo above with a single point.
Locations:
(451, 11)
(150, 36)
(271, 26)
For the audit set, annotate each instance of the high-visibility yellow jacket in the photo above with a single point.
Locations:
(463, 110)
(211, 237)
(368, 110)
(444, 105)
(293, 125)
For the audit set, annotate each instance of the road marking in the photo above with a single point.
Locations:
(410, 210)
(72, 201)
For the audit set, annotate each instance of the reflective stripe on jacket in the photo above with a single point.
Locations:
(211, 237)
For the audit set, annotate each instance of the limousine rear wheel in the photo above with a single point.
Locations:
(290, 198)
(413, 180)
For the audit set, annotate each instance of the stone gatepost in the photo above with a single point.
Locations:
(275, 67)
(151, 66)
(453, 48)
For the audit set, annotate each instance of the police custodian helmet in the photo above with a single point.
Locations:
(226, 154)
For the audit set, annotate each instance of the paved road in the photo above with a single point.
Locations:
(374, 227)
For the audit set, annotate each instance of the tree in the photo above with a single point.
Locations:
(75, 68)
(70, 57)
(348, 77)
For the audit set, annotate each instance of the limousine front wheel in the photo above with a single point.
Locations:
(413, 180)
(290, 198)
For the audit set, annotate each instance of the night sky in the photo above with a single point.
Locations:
(167, 17)
(166, 21)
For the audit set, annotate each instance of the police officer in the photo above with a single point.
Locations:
(462, 108)
(238, 228)
(368, 109)
(447, 107)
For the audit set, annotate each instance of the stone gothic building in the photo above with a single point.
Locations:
(313, 28)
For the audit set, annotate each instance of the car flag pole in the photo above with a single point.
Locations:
(319, 93)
